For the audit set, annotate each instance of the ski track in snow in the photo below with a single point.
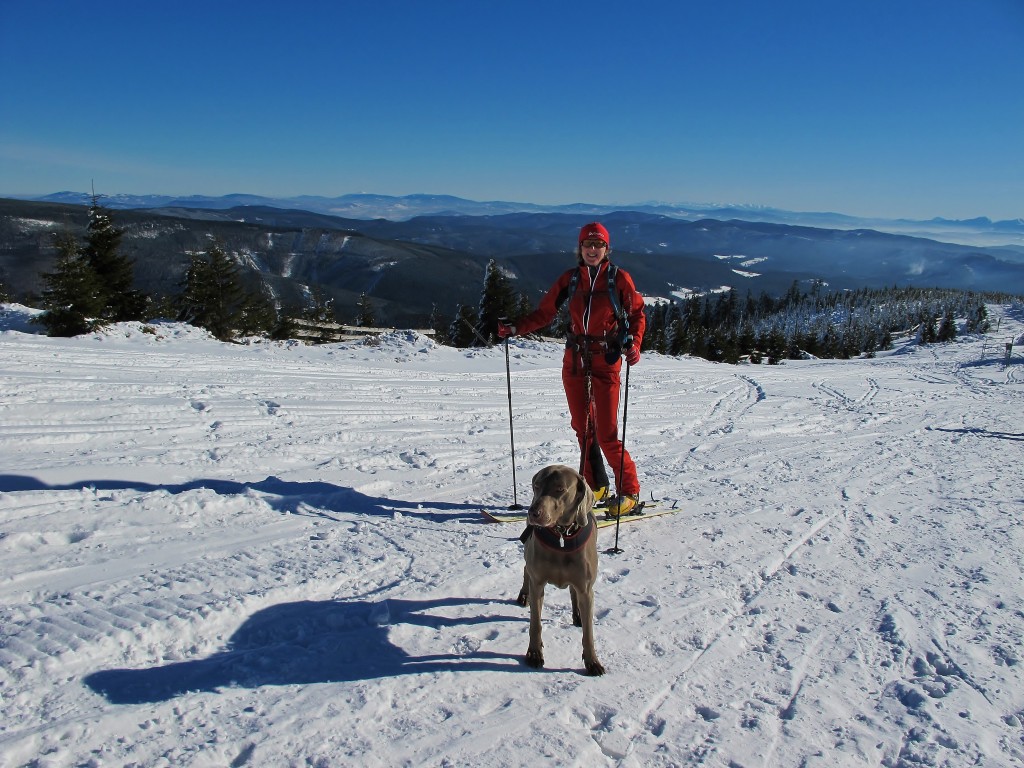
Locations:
(272, 554)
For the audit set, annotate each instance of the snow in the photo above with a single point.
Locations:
(34, 224)
(272, 554)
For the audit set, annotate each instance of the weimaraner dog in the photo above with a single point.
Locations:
(561, 549)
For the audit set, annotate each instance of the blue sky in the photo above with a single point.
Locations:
(894, 108)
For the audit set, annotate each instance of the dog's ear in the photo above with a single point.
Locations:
(584, 501)
(538, 479)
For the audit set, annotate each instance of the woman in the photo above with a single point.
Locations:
(606, 321)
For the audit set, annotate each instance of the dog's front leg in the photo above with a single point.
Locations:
(535, 653)
(586, 605)
(524, 593)
(577, 620)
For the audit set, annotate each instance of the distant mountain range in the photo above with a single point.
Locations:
(431, 251)
(977, 231)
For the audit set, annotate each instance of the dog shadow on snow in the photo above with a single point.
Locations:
(314, 642)
(313, 498)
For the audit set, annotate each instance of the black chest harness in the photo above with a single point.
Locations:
(560, 538)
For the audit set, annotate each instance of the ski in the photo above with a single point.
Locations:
(601, 506)
(648, 509)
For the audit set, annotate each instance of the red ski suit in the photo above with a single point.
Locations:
(594, 333)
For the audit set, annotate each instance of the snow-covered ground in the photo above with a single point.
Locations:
(273, 555)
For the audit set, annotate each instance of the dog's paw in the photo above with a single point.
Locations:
(523, 597)
(594, 667)
(535, 659)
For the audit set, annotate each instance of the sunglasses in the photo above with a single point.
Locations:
(594, 244)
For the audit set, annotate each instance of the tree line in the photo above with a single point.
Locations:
(92, 285)
(812, 323)
(724, 328)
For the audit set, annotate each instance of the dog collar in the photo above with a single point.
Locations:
(570, 539)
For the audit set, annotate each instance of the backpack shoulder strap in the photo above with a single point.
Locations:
(570, 290)
(613, 293)
(574, 282)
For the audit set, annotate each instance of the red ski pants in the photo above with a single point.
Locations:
(604, 411)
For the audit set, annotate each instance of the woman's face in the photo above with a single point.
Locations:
(593, 252)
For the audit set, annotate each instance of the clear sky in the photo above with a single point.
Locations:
(895, 108)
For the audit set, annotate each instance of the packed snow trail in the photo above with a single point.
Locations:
(272, 554)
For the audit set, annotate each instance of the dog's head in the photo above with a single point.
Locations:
(560, 497)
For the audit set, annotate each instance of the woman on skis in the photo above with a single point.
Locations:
(606, 322)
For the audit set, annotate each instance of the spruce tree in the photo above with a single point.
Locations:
(257, 316)
(73, 298)
(461, 332)
(364, 312)
(498, 299)
(927, 331)
(977, 319)
(773, 342)
(885, 343)
(213, 296)
(746, 341)
(285, 326)
(947, 327)
(438, 324)
(102, 250)
(320, 309)
(320, 312)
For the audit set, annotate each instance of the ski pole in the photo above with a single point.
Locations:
(511, 430)
(622, 461)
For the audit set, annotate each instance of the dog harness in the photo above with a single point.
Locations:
(562, 539)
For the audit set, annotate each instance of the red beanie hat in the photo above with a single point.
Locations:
(594, 231)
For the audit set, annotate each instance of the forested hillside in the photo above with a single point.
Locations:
(250, 271)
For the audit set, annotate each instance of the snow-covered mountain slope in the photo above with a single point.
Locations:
(273, 554)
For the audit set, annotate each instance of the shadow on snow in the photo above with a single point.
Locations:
(981, 432)
(310, 642)
(302, 498)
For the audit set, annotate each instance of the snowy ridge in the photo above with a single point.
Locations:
(272, 554)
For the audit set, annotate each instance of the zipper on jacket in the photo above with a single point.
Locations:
(593, 273)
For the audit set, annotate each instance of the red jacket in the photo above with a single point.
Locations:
(591, 310)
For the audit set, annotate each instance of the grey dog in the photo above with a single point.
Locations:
(561, 549)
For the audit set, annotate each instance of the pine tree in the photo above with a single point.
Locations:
(947, 327)
(885, 343)
(461, 332)
(320, 312)
(676, 336)
(498, 299)
(285, 326)
(439, 325)
(115, 271)
(927, 331)
(73, 298)
(746, 341)
(364, 312)
(977, 319)
(320, 308)
(773, 342)
(654, 336)
(257, 315)
(213, 296)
